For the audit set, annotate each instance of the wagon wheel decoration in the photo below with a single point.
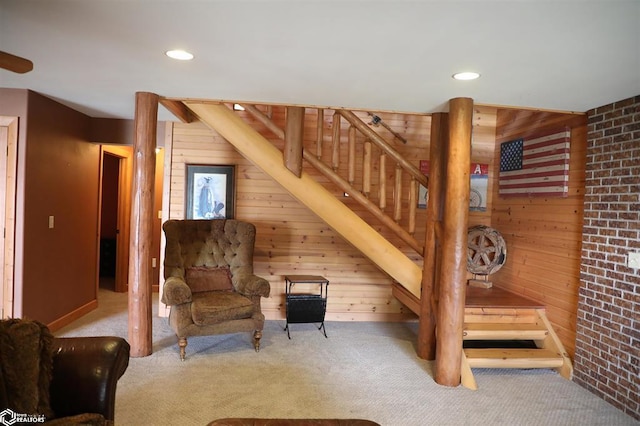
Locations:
(486, 250)
(475, 198)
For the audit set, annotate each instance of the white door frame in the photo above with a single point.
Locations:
(8, 170)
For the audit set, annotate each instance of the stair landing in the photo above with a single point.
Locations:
(496, 297)
(476, 298)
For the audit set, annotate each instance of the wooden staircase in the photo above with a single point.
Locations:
(501, 329)
(312, 194)
(504, 330)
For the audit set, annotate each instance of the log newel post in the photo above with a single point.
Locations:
(453, 271)
(142, 214)
(293, 139)
(429, 296)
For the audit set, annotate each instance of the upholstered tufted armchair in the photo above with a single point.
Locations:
(209, 280)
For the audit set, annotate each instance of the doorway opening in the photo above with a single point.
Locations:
(115, 198)
(109, 220)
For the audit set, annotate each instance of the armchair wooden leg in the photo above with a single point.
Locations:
(182, 342)
(257, 335)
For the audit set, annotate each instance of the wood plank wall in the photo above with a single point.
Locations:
(291, 239)
(543, 235)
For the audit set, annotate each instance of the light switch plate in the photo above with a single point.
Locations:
(633, 260)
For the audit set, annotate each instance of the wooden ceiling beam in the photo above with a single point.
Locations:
(178, 109)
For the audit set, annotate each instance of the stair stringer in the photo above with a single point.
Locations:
(552, 342)
(257, 149)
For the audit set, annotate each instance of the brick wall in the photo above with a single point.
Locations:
(607, 356)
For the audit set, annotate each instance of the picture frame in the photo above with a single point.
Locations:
(210, 192)
(423, 196)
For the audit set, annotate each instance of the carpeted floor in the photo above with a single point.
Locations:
(362, 370)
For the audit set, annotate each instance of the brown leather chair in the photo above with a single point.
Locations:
(64, 380)
(85, 374)
(209, 279)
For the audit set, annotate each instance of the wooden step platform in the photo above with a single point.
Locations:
(498, 318)
(477, 299)
(496, 298)
(501, 319)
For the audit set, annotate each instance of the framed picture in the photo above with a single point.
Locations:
(423, 197)
(210, 192)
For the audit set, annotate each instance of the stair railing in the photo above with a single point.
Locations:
(344, 174)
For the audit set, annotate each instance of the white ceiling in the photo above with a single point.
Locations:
(93, 55)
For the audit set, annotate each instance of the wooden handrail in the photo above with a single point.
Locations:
(364, 201)
(348, 185)
(383, 145)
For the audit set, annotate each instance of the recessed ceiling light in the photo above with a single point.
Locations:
(181, 55)
(467, 75)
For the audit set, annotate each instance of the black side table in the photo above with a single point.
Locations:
(306, 307)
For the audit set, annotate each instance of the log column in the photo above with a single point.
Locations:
(140, 271)
(453, 272)
(429, 296)
(293, 139)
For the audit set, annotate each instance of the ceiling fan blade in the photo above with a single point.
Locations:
(15, 63)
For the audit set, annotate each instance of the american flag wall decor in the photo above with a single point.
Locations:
(536, 166)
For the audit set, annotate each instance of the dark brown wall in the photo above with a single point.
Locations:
(61, 180)
(118, 131)
(607, 359)
(57, 176)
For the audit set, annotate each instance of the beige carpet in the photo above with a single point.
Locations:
(363, 370)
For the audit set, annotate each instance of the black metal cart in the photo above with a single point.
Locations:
(306, 307)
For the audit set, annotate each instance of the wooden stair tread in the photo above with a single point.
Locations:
(504, 331)
(513, 358)
(495, 297)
